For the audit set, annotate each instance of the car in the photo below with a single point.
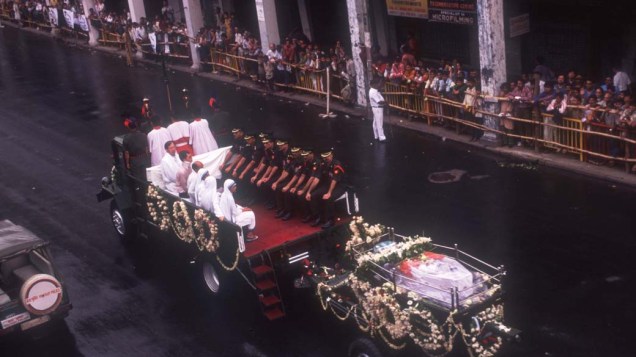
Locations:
(32, 291)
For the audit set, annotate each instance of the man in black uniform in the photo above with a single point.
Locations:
(234, 155)
(289, 171)
(273, 172)
(311, 172)
(326, 190)
(297, 173)
(251, 158)
(136, 156)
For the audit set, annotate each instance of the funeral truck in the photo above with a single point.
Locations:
(32, 291)
(403, 295)
(141, 208)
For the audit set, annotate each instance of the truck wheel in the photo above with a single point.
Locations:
(121, 222)
(210, 277)
(41, 294)
(363, 347)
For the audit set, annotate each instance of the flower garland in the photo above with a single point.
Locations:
(363, 233)
(181, 222)
(202, 224)
(158, 208)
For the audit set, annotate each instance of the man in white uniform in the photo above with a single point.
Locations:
(377, 106)
(201, 138)
(157, 139)
(170, 166)
(180, 134)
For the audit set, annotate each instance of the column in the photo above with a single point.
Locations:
(137, 10)
(178, 11)
(492, 56)
(93, 34)
(267, 22)
(380, 24)
(305, 19)
(359, 30)
(194, 22)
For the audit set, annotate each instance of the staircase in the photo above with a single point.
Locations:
(266, 283)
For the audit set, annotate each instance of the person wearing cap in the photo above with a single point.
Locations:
(274, 171)
(245, 155)
(170, 165)
(288, 192)
(136, 156)
(325, 190)
(201, 139)
(377, 107)
(241, 216)
(180, 134)
(234, 155)
(157, 138)
(268, 157)
(310, 173)
(146, 110)
(289, 169)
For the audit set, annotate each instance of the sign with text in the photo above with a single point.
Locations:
(408, 8)
(460, 12)
(68, 17)
(519, 25)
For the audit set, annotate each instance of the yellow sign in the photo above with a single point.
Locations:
(408, 8)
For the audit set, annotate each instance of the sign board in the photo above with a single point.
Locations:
(408, 8)
(53, 16)
(519, 25)
(83, 23)
(460, 12)
(68, 17)
(260, 11)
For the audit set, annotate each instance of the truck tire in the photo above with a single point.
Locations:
(211, 279)
(41, 294)
(363, 347)
(121, 222)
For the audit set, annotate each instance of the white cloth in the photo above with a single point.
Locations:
(157, 138)
(182, 176)
(378, 113)
(209, 197)
(233, 212)
(192, 184)
(621, 81)
(178, 130)
(170, 165)
(199, 186)
(201, 137)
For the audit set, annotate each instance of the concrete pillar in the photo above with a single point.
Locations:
(93, 34)
(137, 9)
(194, 22)
(267, 22)
(305, 19)
(359, 31)
(492, 56)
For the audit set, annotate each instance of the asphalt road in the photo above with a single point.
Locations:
(567, 242)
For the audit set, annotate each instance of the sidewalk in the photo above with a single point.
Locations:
(616, 175)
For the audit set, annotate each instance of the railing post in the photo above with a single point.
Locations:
(627, 155)
(582, 139)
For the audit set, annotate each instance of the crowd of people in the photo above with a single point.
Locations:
(288, 178)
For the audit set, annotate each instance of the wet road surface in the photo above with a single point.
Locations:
(567, 242)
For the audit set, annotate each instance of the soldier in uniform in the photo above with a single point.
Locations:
(326, 190)
(289, 171)
(234, 155)
(311, 171)
(273, 172)
(136, 155)
(288, 192)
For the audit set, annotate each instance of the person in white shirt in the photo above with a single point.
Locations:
(377, 107)
(201, 137)
(184, 173)
(157, 138)
(180, 134)
(557, 108)
(170, 165)
(621, 80)
(241, 216)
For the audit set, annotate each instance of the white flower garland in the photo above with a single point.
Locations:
(158, 208)
(203, 223)
(181, 222)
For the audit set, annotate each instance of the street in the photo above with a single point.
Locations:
(566, 242)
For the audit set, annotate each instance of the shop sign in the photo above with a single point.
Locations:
(408, 8)
(519, 25)
(460, 12)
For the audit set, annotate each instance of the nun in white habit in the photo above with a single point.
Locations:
(209, 197)
(241, 216)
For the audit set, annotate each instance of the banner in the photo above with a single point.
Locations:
(408, 8)
(53, 16)
(83, 23)
(68, 17)
(460, 12)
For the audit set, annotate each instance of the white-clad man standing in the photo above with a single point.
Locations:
(201, 138)
(377, 107)
(157, 139)
(180, 133)
(170, 166)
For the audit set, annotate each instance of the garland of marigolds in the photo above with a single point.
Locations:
(203, 230)
(379, 312)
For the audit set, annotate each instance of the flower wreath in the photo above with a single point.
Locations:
(181, 222)
(158, 208)
(206, 236)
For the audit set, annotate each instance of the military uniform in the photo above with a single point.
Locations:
(136, 144)
(330, 172)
